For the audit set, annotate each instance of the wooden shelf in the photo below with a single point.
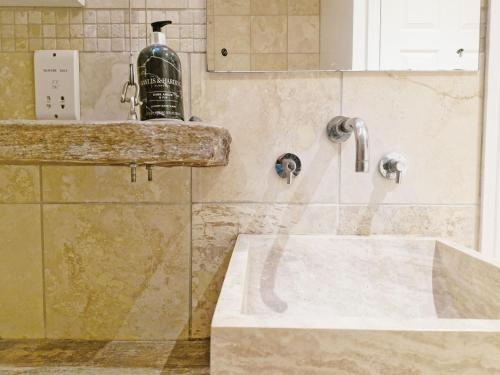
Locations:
(42, 3)
(162, 143)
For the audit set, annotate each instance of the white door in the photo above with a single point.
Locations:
(429, 34)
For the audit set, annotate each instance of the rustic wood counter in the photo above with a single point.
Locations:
(162, 143)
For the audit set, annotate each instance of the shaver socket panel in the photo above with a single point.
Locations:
(57, 85)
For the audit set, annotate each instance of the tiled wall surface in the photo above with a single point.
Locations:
(102, 28)
(263, 35)
(85, 254)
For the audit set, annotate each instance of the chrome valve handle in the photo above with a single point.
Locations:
(393, 167)
(288, 166)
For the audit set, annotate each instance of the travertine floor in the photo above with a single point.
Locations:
(44, 357)
(102, 371)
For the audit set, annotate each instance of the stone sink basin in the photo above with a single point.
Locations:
(356, 305)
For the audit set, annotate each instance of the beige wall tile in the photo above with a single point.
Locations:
(269, 34)
(34, 16)
(35, 44)
(8, 45)
(76, 16)
(303, 34)
(8, 31)
(7, 16)
(232, 33)
(62, 15)
(21, 44)
(303, 7)
(49, 31)
(266, 116)
(21, 31)
(433, 119)
(269, 62)
(211, 43)
(231, 7)
(458, 223)
(48, 15)
(34, 31)
(215, 229)
(269, 7)
(101, 88)
(233, 62)
(303, 61)
(117, 271)
(19, 184)
(21, 16)
(17, 83)
(210, 7)
(21, 284)
(111, 3)
(112, 184)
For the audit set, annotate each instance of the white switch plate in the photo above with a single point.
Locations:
(57, 85)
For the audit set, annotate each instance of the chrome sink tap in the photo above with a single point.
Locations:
(341, 128)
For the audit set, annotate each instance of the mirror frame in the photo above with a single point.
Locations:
(211, 26)
(489, 241)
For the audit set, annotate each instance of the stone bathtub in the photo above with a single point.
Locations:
(356, 305)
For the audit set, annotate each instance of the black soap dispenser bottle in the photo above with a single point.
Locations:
(160, 79)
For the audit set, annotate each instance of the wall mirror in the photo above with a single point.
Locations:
(348, 35)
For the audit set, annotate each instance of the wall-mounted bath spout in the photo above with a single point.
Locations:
(339, 130)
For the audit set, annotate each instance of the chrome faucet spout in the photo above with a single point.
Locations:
(340, 129)
(361, 135)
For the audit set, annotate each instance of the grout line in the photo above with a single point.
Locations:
(42, 229)
(342, 93)
(465, 205)
(339, 197)
(115, 203)
(190, 269)
(146, 21)
(190, 83)
(367, 204)
(113, 341)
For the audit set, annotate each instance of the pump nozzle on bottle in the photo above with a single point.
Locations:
(157, 36)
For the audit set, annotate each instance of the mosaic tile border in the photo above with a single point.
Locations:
(99, 30)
